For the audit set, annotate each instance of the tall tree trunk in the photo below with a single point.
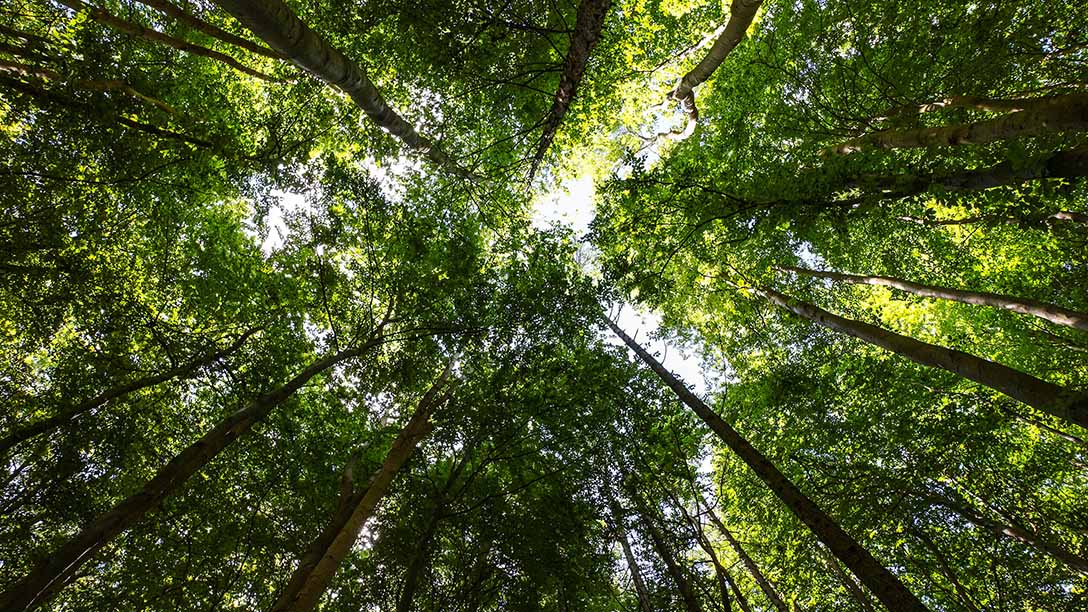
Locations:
(719, 570)
(946, 569)
(1064, 164)
(105, 17)
(1063, 113)
(993, 105)
(657, 539)
(210, 29)
(738, 595)
(1016, 532)
(750, 564)
(1049, 312)
(50, 574)
(316, 568)
(884, 584)
(418, 562)
(852, 587)
(1045, 396)
(587, 31)
(273, 22)
(632, 563)
(110, 395)
(1045, 221)
(741, 14)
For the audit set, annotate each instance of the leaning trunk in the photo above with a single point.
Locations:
(750, 564)
(1049, 312)
(52, 573)
(277, 25)
(587, 31)
(875, 576)
(632, 563)
(1045, 396)
(111, 395)
(319, 564)
(691, 604)
(1065, 113)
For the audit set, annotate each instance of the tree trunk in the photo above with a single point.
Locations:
(139, 31)
(51, 573)
(317, 567)
(587, 31)
(1049, 312)
(852, 587)
(1065, 164)
(738, 595)
(273, 22)
(946, 569)
(1048, 222)
(210, 29)
(632, 563)
(687, 593)
(749, 563)
(885, 585)
(1071, 560)
(1045, 396)
(184, 371)
(419, 561)
(719, 570)
(993, 105)
(741, 14)
(1064, 113)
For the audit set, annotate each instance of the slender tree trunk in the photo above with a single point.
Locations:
(852, 587)
(1045, 396)
(741, 14)
(738, 595)
(1020, 534)
(105, 17)
(687, 593)
(1063, 113)
(418, 562)
(587, 31)
(1049, 312)
(273, 22)
(749, 563)
(316, 568)
(719, 570)
(993, 105)
(51, 574)
(946, 569)
(1048, 222)
(884, 584)
(110, 395)
(210, 29)
(632, 563)
(1064, 164)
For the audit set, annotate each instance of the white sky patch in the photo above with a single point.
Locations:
(389, 176)
(643, 327)
(276, 230)
(571, 205)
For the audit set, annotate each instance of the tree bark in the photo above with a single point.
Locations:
(946, 569)
(687, 593)
(1049, 312)
(183, 371)
(632, 563)
(749, 563)
(993, 105)
(741, 14)
(139, 31)
(719, 570)
(1063, 113)
(51, 574)
(1045, 396)
(273, 22)
(1063, 164)
(738, 595)
(587, 31)
(1048, 222)
(210, 29)
(852, 587)
(316, 568)
(885, 585)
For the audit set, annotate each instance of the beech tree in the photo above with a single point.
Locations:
(844, 239)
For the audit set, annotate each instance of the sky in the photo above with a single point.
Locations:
(571, 205)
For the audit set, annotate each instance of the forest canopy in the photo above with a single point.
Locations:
(544, 305)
